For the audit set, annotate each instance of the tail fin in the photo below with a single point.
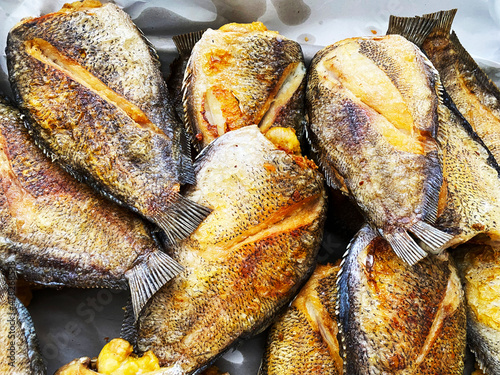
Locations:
(150, 275)
(186, 42)
(415, 29)
(180, 218)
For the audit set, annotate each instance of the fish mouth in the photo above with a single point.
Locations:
(222, 109)
(390, 113)
(49, 55)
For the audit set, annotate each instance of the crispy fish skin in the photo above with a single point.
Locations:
(239, 75)
(479, 268)
(247, 258)
(396, 318)
(57, 231)
(373, 106)
(20, 354)
(91, 83)
(304, 339)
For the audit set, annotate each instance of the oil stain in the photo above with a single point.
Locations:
(291, 12)
(241, 11)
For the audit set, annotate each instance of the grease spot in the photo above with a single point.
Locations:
(292, 12)
(306, 38)
(241, 11)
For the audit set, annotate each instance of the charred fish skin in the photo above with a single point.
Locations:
(20, 354)
(475, 95)
(57, 231)
(480, 269)
(247, 258)
(397, 318)
(91, 85)
(239, 75)
(304, 339)
(372, 126)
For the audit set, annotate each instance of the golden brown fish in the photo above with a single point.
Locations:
(469, 202)
(374, 106)
(239, 75)
(396, 318)
(20, 354)
(247, 258)
(304, 339)
(479, 267)
(475, 95)
(91, 85)
(55, 230)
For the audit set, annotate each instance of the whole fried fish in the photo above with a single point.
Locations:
(469, 202)
(57, 231)
(475, 95)
(304, 339)
(373, 106)
(396, 318)
(239, 75)
(479, 267)
(20, 354)
(91, 85)
(247, 258)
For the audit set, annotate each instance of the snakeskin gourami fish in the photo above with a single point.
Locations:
(303, 340)
(91, 85)
(239, 75)
(248, 257)
(373, 106)
(57, 231)
(396, 318)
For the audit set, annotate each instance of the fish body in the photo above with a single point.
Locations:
(373, 106)
(469, 203)
(479, 268)
(475, 95)
(20, 354)
(91, 86)
(396, 318)
(303, 340)
(247, 258)
(239, 75)
(57, 231)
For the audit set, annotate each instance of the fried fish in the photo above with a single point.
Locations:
(304, 339)
(239, 75)
(475, 95)
(373, 106)
(20, 354)
(396, 318)
(91, 86)
(469, 204)
(479, 267)
(248, 257)
(57, 231)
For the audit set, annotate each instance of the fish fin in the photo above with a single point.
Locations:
(404, 246)
(472, 66)
(147, 277)
(415, 29)
(185, 42)
(435, 239)
(128, 329)
(180, 218)
(443, 19)
(185, 89)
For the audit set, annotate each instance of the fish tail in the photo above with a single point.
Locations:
(415, 29)
(180, 218)
(434, 239)
(128, 329)
(404, 245)
(444, 19)
(185, 42)
(147, 277)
